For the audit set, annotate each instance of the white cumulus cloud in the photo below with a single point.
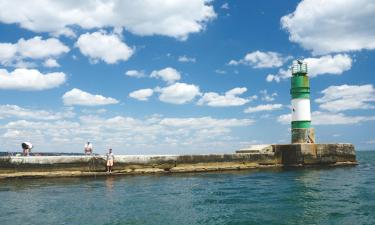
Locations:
(142, 94)
(135, 73)
(280, 75)
(178, 93)
(37, 48)
(7, 52)
(230, 98)
(332, 26)
(259, 59)
(33, 48)
(266, 107)
(79, 97)
(30, 80)
(176, 18)
(328, 64)
(10, 111)
(101, 46)
(51, 63)
(347, 97)
(168, 74)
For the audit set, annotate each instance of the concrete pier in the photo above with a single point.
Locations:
(298, 155)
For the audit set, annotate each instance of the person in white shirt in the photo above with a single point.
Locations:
(110, 159)
(26, 147)
(88, 148)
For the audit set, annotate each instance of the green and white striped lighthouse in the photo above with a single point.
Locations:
(301, 115)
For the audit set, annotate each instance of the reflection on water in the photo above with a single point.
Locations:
(109, 183)
(276, 196)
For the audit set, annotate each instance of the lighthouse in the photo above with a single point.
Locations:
(301, 115)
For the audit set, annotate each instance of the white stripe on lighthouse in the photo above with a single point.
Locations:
(301, 109)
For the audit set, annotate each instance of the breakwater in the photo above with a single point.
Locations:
(297, 155)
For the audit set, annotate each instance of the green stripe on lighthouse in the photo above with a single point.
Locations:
(301, 124)
(300, 87)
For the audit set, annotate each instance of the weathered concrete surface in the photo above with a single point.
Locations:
(315, 154)
(132, 163)
(267, 156)
(303, 135)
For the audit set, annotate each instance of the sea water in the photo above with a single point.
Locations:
(342, 195)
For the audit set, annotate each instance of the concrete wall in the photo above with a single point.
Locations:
(127, 162)
(272, 156)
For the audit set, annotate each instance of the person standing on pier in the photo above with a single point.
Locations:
(26, 147)
(110, 159)
(88, 148)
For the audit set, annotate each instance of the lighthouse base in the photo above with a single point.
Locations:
(303, 135)
(315, 154)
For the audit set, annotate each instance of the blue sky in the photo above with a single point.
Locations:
(183, 76)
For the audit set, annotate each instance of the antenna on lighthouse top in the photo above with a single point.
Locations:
(299, 68)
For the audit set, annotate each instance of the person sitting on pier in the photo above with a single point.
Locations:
(26, 147)
(88, 148)
(110, 159)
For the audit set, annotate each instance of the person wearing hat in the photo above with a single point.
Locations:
(26, 147)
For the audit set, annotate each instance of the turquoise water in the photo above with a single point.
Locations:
(343, 195)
